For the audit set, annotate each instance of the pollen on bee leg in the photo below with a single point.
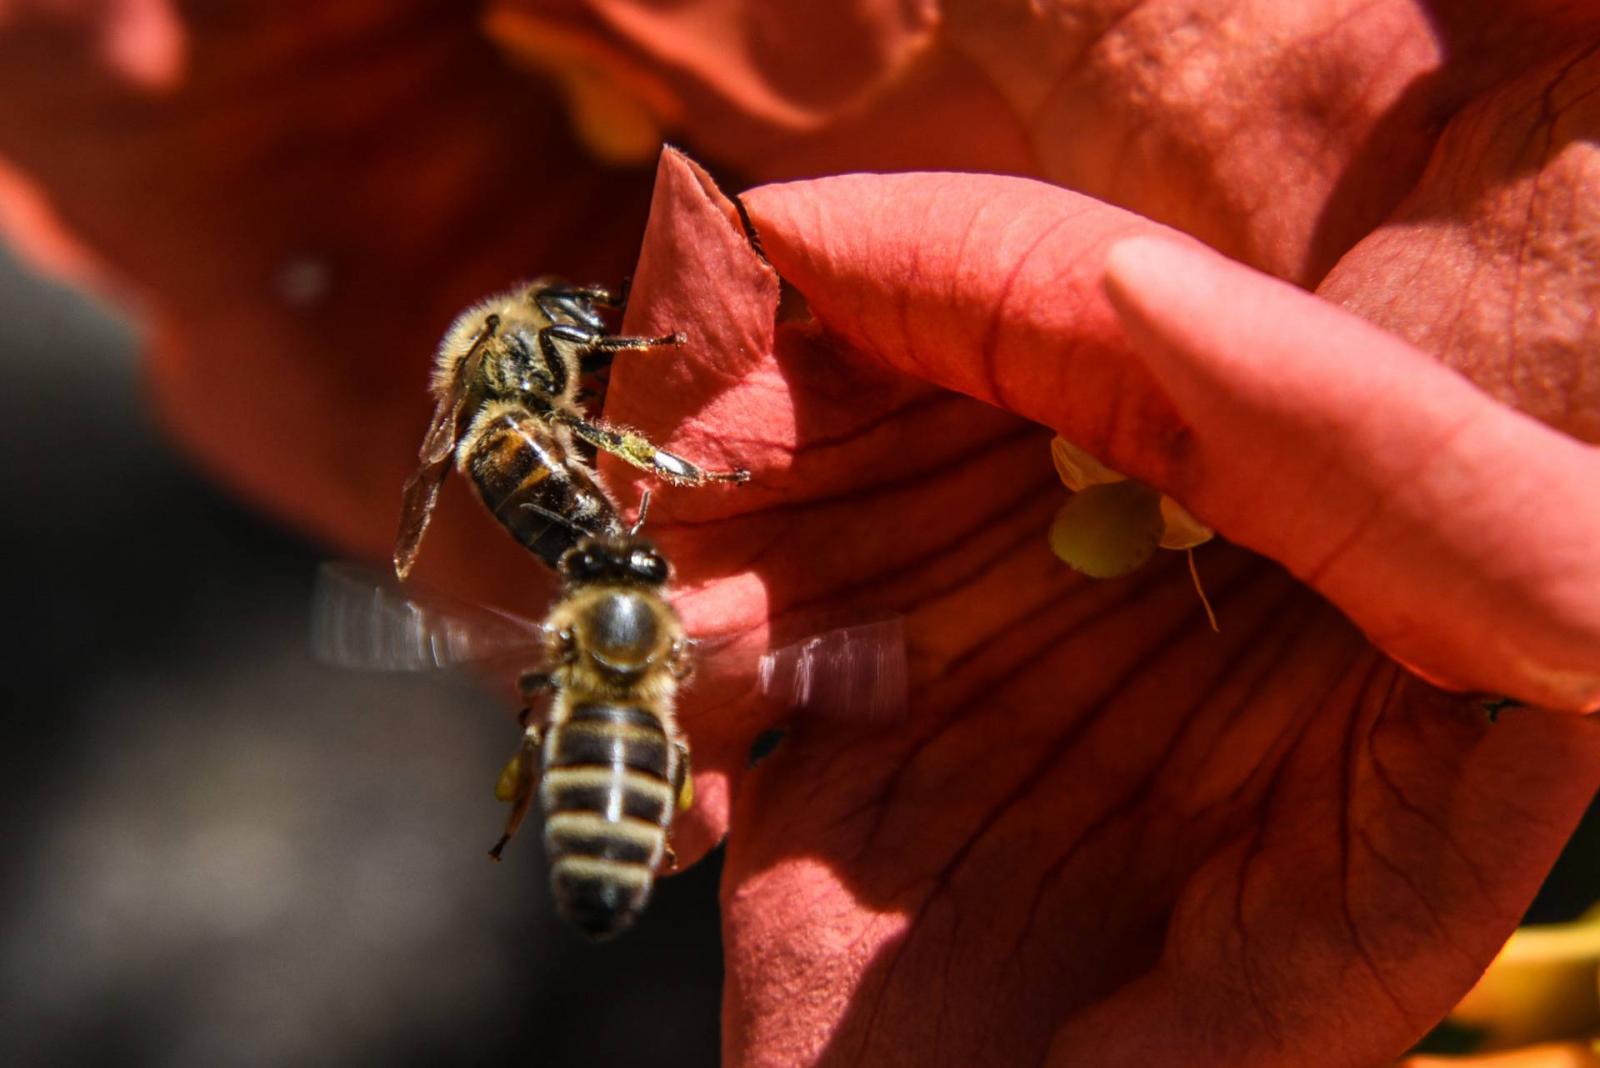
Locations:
(512, 776)
(640, 450)
(515, 785)
(619, 109)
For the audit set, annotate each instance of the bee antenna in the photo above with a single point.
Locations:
(557, 517)
(644, 507)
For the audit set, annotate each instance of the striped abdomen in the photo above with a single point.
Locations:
(514, 462)
(609, 795)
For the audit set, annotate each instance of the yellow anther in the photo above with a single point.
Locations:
(1112, 524)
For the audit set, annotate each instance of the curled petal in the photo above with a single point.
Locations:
(714, 400)
(1280, 135)
(1457, 532)
(1505, 289)
(1434, 524)
(1104, 835)
(986, 285)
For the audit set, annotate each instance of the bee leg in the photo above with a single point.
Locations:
(533, 683)
(557, 364)
(596, 360)
(1493, 706)
(516, 784)
(683, 788)
(628, 343)
(599, 381)
(579, 302)
(643, 453)
(682, 781)
(679, 662)
(600, 353)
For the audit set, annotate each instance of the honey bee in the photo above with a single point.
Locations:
(614, 765)
(506, 389)
(606, 757)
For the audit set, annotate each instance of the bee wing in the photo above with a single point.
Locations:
(422, 489)
(856, 673)
(360, 619)
(438, 447)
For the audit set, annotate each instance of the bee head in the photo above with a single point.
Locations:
(627, 560)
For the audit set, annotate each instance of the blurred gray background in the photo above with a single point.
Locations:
(219, 852)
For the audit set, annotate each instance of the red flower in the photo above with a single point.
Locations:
(1103, 834)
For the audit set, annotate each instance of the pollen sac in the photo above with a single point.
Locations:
(512, 776)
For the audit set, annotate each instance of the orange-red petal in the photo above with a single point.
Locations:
(1105, 835)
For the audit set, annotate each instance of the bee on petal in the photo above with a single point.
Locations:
(507, 415)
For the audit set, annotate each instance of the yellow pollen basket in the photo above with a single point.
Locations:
(507, 787)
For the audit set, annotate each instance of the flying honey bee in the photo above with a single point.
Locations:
(606, 757)
(506, 390)
(615, 765)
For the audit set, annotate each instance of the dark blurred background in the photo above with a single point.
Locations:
(219, 852)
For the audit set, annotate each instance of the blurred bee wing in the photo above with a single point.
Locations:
(421, 492)
(854, 673)
(360, 619)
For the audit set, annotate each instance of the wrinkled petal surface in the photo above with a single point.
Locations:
(1417, 504)
(1438, 157)
(1457, 532)
(1491, 263)
(1280, 134)
(1104, 835)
